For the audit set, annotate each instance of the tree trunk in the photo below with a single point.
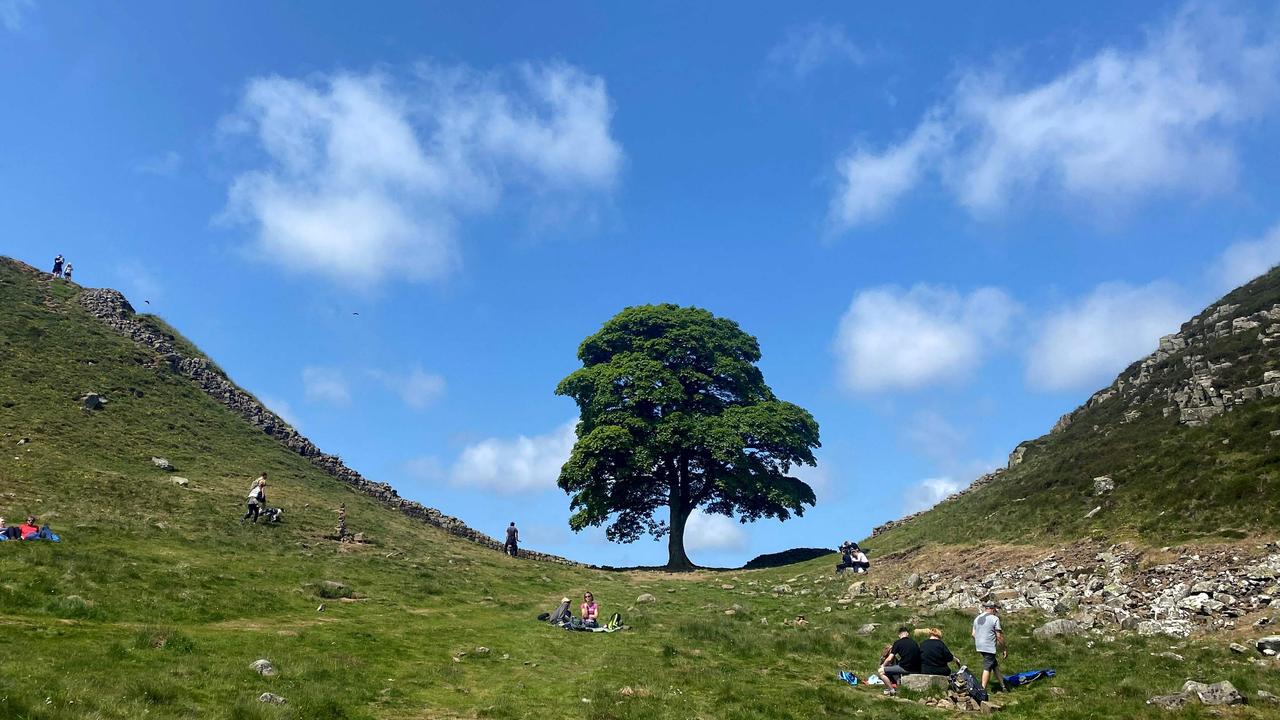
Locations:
(676, 557)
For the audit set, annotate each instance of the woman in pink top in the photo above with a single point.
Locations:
(589, 610)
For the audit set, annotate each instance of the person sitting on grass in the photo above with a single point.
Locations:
(852, 558)
(935, 656)
(900, 658)
(589, 611)
(29, 529)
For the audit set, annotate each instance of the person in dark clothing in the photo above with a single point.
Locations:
(512, 546)
(900, 658)
(57, 266)
(935, 656)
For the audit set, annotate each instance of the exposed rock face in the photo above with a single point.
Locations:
(1103, 588)
(922, 683)
(114, 310)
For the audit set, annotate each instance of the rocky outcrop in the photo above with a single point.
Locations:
(1091, 588)
(111, 307)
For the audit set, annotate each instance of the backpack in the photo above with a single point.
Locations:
(615, 622)
(963, 682)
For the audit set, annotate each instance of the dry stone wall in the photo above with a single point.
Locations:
(114, 310)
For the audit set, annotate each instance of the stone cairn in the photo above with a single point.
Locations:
(340, 532)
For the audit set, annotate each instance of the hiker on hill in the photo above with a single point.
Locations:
(66, 271)
(988, 636)
(900, 658)
(57, 266)
(852, 558)
(257, 498)
(589, 611)
(935, 656)
(513, 541)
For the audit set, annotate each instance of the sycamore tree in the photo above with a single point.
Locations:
(674, 413)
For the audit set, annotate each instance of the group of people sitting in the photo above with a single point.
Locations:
(852, 558)
(27, 531)
(588, 617)
(933, 657)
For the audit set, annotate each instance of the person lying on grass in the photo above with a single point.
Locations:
(29, 529)
(589, 611)
(900, 658)
(9, 532)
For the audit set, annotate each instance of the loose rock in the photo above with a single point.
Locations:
(264, 667)
(646, 598)
(162, 463)
(271, 698)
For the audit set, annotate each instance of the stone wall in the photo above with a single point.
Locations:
(114, 310)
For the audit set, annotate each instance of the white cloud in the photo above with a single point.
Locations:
(166, 165)
(806, 48)
(366, 178)
(520, 464)
(417, 388)
(870, 182)
(1117, 126)
(1087, 343)
(713, 532)
(890, 339)
(12, 12)
(1246, 260)
(326, 385)
(927, 493)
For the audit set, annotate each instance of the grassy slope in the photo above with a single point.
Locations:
(1173, 483)
(158, 599)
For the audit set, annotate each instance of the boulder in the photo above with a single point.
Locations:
(1271, 642)
(263, 667)
(93, 401)
(1168, 702)
(1103, 485)
(271, 698)
(645, 598)
(922, 683)
(1237, 648)
(179, 481)
(858, 588)
(783, 589)
(162, 463)
(868, 629)
(1221, 693)
(1056, 628)
(912, 582)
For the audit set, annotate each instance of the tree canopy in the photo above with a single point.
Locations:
(674, 413)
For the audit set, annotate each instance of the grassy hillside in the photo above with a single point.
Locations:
(1173, 482)
(159, 599)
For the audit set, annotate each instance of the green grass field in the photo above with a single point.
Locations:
(158, 598)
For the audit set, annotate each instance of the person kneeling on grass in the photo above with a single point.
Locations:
(935, 656)
(589, 611)
(900, 658)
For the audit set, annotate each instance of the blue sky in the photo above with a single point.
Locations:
(946, 225)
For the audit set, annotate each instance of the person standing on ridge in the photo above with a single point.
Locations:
(66, 272)
(512, 546)
(988, 636)
(57, 266)
(257, 498)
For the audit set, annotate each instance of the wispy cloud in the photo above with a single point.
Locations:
(927, 493)
(13, 13)
(806, 48)
(895, 339)
(368, 177)
(1246, 260)
(326, 385)
(166, 165)
(1089, 341)
(1119, 126)
(417, 387)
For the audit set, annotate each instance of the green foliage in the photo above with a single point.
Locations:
(674, 413)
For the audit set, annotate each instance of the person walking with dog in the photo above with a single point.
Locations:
(257, 499)
(988, 638)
